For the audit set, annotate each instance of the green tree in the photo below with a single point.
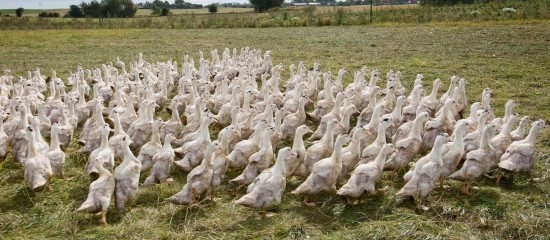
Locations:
(91, 9)
(263, 5)
(75, 12)
(109, 8)
(165, 12)
(19, 12)
(213, 8)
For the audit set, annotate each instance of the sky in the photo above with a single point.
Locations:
(54, 4)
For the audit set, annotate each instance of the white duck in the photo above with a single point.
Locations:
(371, 151)
(199, 180)
(162, 161)
(115, 142)
(319, 150)
(324, 173)
(365, 176)
(126, 177)
(5, 140)
(477, 161)
(424, 178)
(54, 152)
(408, 148)
(299, 150)
(520, 155)
(103, 153)
(267, 189)
(502, 140)
(244, 149)
(151, 148)
(38, 170)
(100, 192)
(258, 161)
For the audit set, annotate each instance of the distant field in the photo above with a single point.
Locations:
(511, 57)
(356, 8)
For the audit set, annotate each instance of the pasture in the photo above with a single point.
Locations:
(511, 57)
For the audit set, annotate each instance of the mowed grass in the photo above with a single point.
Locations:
(510, 57)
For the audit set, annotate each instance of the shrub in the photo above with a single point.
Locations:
(19, 12)
(213, 8)
(75, 12)
(48, 14)
(165, 12)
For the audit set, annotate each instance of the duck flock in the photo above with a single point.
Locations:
(361, 130)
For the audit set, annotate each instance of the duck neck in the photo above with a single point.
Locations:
(437, 151)
(155, 135)
(397, 111)
(521, 128)
(482, 123)
(328, 138)
(118, 126)
(175, 114)
(355, 144)
(337, 153)
(104, 140)
(278, 168)
(380, 159)
(167, 143)
(54, 140)
(507, 112)
(433, 95)
(301, 113)
(128, 153)
(235, 97)
(298, 141)
(484, 143)
(278, 119)
(416, 131)
(204, 132)
(266, 143)
(347, 117)
(32, 151)
(381, 137)
(507, 128)
(451, 89)
(459, 138)
(206, 161)
(532, 137)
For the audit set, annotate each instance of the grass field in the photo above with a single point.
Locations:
(510, 57)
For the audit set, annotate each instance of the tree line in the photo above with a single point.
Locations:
(103, 9)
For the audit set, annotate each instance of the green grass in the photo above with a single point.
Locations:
(510, 57)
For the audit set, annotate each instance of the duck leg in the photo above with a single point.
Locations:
(237, 190)
(307, 203)
(499, 175)
(263, 214)
(531, 178)
(381, 190)
(103, 221)
(352, 201)
(464, 189)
